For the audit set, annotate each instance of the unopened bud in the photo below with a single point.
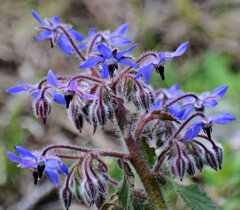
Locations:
(219, 154)
(211, 160)
(100, 200)
(42, 108)
(66, 197)
(101, 114)
(180, 167)
(75, 115)
(190, 164)
(89, 191)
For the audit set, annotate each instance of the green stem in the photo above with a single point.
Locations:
(149, 180)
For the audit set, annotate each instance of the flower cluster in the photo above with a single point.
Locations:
(100, 93)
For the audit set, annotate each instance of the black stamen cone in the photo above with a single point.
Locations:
(40, 169)
(68, 97)
(111, 69)
(51, 41)
(160, 70)
(208, 131)
(35, 176)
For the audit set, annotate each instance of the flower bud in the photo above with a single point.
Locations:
(66, 197)
(181, 166)
(211, 160)
(89, 191)
(75, 115)
(197, 156)
(144, 98)
(190, 164)
(219, 155)
(100, 200)
(42, 108)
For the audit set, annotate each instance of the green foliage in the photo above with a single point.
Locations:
(148, 152)
(194, 198)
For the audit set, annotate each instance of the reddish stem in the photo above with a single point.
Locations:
(93, 70)
(79, 149)
(177, 99)
(187, 121)
(93, 43)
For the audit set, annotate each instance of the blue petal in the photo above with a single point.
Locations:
(222, 118)
(77, 36)
(220, 91)
(173, 88)
(52, 163)
(13, 157)
(17, 89)
(193, 131)
(147, 72)
(64, 168)
(127, 62)
(52, 79)
(122, 53)
(181, 49)
(27, 163)
(44, 35)
(64, 44)
(35, 15)
(139, 73)
(121, 30)
(58, 98)
(210, 103)
(183, 113)
(55, 20)
(52, 176)
(36, 95)
(91, 32)
(120, 41)
(156, 106)
(174, 108)
(91, 62)
(23, 153)
(81, 46)
(105, 72)
(105, 51)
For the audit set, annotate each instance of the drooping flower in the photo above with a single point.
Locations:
(50, 165)
(53, 30)
(204, 100)
(109, 60)
(116, 38)
(158, 63)
(206, 125)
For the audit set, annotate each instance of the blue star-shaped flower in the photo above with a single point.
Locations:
(50, 165)
(204, 100)
(109, 60)
(206, 124)
(116, 38)
(158, 64)
(52, 31)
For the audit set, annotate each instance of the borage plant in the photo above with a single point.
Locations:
(110, 84)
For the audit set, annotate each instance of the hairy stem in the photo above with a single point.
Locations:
(80, 149)
(149, 180)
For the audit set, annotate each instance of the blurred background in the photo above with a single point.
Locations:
(212, 59)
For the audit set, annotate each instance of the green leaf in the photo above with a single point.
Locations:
(125, 191)
(148, 152)
(194, 198)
